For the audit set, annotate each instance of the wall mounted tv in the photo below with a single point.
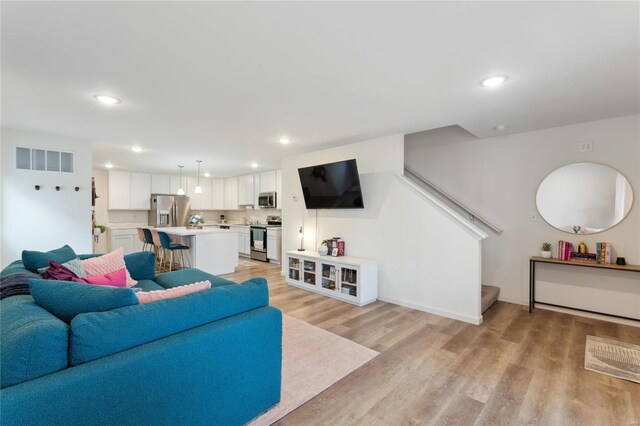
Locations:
(332, 186)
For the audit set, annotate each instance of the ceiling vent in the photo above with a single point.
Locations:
(44, 160)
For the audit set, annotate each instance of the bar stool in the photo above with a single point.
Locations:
(142, 238)
(148, 239)
(157, 246)
(172, 247)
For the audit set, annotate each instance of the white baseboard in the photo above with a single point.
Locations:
(516, 301)
(429, 309)
(573, 312)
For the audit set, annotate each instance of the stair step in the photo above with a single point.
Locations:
(489, 296)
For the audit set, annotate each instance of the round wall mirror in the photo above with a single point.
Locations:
(584, 198)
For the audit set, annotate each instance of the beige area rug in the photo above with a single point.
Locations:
(613, 358)
(312, 360)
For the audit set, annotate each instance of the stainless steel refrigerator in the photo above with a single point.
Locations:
(169, 210)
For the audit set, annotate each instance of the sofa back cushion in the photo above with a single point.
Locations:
(141, 265)
(33, 342)
(66, 299)
(98, 334)
(33, 260)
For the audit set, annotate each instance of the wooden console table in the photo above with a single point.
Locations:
(532, 280)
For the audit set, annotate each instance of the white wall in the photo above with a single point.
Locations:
(45, 219)
(499, 178)
(424, 259)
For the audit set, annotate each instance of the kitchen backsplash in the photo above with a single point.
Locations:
(128, 216)
(142, 216)
(257, 215)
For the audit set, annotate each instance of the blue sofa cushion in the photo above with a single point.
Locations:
(141, 265)
(33, 260)
(66, 299)
(148, 285)
(33, 342)
(189, 276)
(98, 334)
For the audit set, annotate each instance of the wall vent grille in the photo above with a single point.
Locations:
(44, 160)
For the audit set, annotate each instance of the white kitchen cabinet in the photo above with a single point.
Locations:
(231, 193)
(244, 241)
(245, 190)
(129, 191)
(200, 201)
(268, 181)
(206, 200)
(279, 194)
(217, 194)
(175, 184)
(160, 184)
(119, 190)
(273, 249)
(256, 190)
(125, 238)
(140, 191)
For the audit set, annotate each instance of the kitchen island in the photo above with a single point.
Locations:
(212, 250)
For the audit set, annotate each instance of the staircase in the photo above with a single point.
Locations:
(489, 294)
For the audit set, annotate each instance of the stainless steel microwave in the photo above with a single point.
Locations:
(267, 200)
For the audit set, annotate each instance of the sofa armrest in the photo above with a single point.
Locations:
(33, 342)
(98, 334)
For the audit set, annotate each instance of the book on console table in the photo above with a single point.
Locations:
(583, 257)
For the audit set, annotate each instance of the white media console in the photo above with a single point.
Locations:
(345, 278)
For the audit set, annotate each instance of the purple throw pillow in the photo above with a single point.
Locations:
(59, 272)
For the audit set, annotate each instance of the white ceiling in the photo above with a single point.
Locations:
(221, 82)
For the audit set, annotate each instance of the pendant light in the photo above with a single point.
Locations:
(181, 189)
(198, 189)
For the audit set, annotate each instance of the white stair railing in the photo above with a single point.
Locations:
(469, 212)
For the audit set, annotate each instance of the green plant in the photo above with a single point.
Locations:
(196, 219)
(546, 247)
(323, 243)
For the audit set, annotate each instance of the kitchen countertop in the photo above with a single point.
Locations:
(186, 232)
(231, 225)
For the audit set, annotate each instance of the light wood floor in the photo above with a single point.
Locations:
(515, 369)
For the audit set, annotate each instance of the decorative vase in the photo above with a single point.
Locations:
(545, 254)
(323, 250)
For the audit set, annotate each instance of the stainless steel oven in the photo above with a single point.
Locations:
(259, 243)
(267, 200)
(259, 238)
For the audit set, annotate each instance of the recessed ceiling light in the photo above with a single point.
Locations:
(207, 174)
(285, 141)
(136, 149)
(107, 100)
(254, 164)
(494, 81)
(109, 166)
(500, 127)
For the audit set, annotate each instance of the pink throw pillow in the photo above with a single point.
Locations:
(114, 279)
(105, 264)
(153, 296)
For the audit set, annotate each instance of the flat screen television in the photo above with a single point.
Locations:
(332, 186)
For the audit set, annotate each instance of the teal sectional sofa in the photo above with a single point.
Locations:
(208, 358)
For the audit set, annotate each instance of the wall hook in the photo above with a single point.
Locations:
(77, 188)
(57, 188)
(37, 187)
